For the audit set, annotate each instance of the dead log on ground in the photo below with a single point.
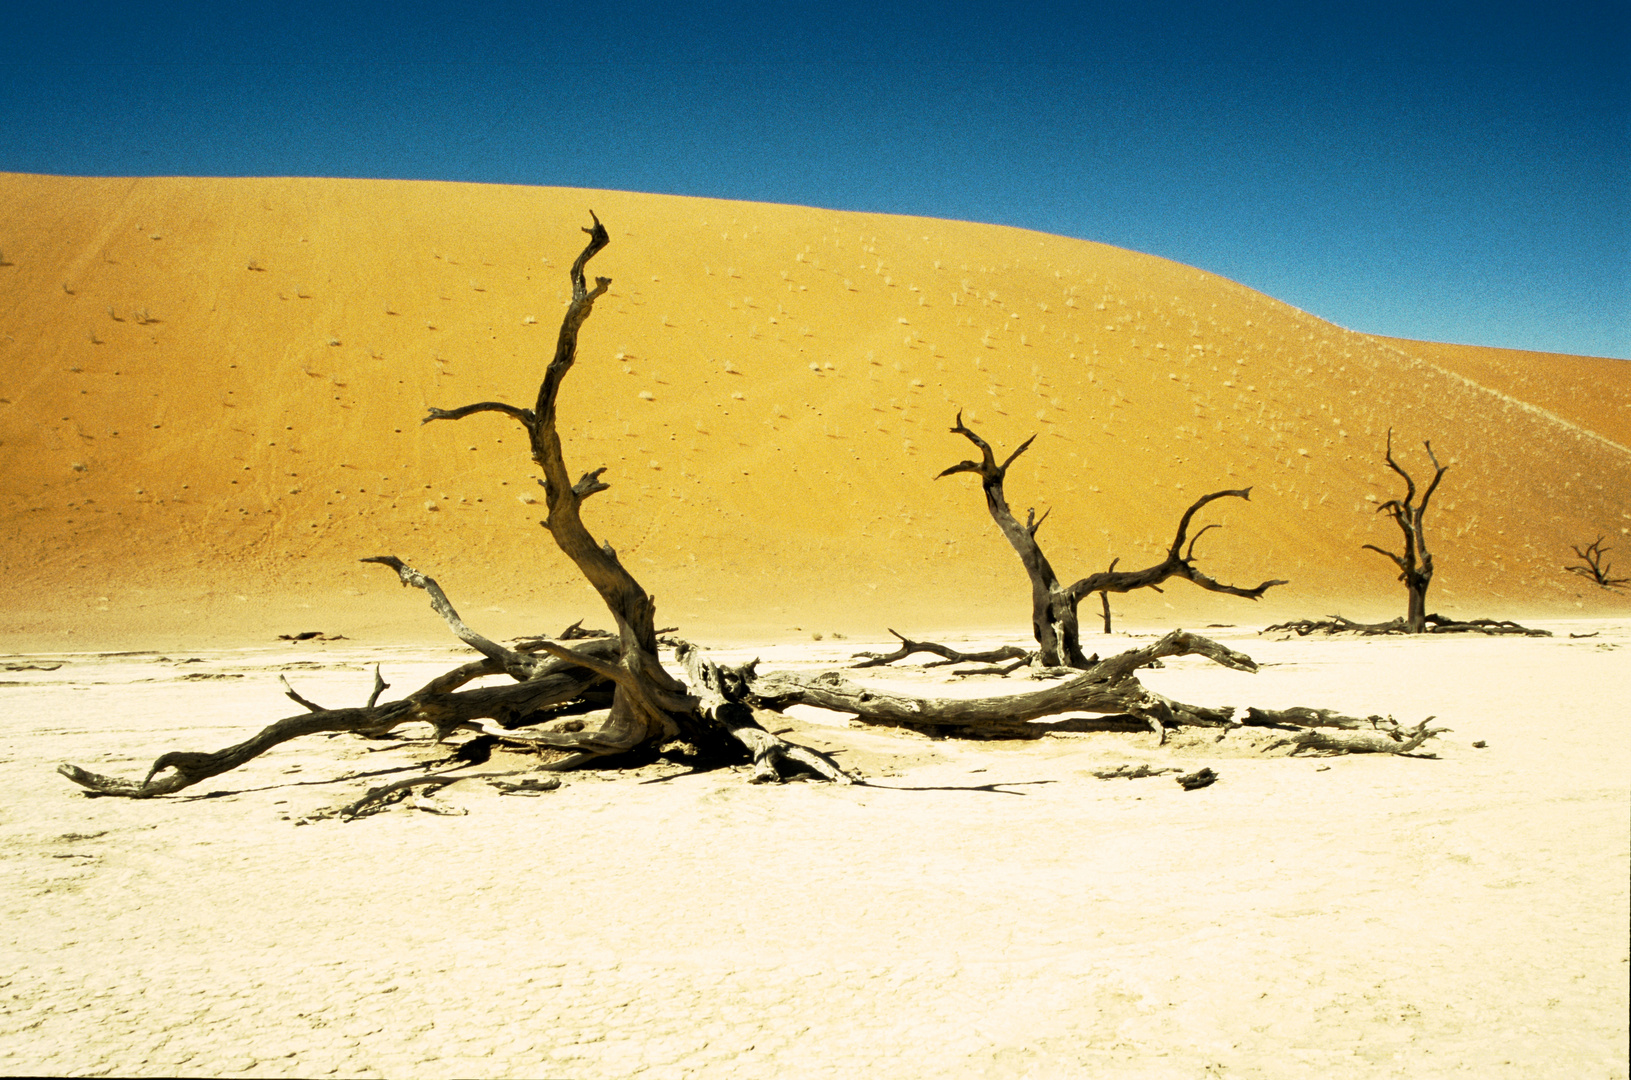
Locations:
(948, 655)
(1386, 738)
(1431, 624)
(1110, 688)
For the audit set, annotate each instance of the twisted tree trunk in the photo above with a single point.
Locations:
(1053, 605)
(649, 705)
(1415, 562)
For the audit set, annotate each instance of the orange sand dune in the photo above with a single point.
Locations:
(212, 394)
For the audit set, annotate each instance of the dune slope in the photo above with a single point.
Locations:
(213, 388)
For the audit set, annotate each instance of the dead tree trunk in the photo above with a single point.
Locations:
(1053, 605)
(649, 706)
(1415, 562)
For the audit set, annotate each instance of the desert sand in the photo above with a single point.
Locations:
(211, 409)
(213, 391)
(987, 910)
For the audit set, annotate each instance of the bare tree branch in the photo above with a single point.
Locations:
(1054, 619)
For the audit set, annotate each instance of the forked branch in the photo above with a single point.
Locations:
(1054, 606)
(1594, 565)
(947, 655)
(1179, 563)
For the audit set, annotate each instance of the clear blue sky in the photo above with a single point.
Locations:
(1457, 172)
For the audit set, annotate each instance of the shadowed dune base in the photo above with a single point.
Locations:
(212, 394)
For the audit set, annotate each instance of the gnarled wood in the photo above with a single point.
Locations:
(947, 654)
(1386, 737)
(1432, 624)
(1594, 565)
(1415, 562)
(1108, 687)
(650, 706)
(1054, 606)
(723, 697)
(439, 703)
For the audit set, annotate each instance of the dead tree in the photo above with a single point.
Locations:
(610, 699)
(647, 706)
(1415, 565)
(1054, 605)
(1415, 562)
(1595, 567)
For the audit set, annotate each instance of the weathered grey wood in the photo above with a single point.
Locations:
(1054, 620)
(1432, 624)
(947, 654)
(650, 706)
(1108, 687)
(1387, 737)
(518, 665)
(1415, 562)
(437, 703)
(721, 693)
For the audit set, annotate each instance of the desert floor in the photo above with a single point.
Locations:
(976, 910)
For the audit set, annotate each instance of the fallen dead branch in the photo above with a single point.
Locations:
(1386, 737)
(947, 655)
(1431, 624)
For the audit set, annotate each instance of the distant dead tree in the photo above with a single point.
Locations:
(1053, 605)
(1595, 566)
(1415, 565)
(1415, 562)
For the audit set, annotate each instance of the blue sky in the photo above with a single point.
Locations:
(1455, 172)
